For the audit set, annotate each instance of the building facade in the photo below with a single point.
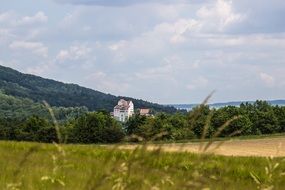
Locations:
(123, 110)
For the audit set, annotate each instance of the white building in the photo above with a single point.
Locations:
(124, 110)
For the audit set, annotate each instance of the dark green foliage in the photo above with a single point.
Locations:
(134, 122)
(8, 128)
(36, 129)
(252, 119)
(279, 112)
(60, 94)
(160, 127)
(263, 117)
(31, 129)
(22, 108)
(197, 119)
(96, 127)
(222, 115)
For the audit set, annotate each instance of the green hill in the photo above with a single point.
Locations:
(58, 94)
(21, 108)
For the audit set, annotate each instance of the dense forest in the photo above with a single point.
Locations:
(16, 108)
(60, 94)
(99, 127)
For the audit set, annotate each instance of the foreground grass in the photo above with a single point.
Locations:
(46, 166)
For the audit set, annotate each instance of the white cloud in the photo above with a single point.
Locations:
(14, 27)
(107, 83)
(76, 52)
(117, 46)
(71, 19)
(12, 18)
(5, 34)
(195, 32)
(6, 16)
(251, 40)
(161, 72)
(120, 2)
(40, 69)
(152, 45)
(198, 83)
(37, 48)
(267, 79)
(39, 17)
(219, 15)
(177, 29)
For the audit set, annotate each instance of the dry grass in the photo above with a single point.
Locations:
(253, 147)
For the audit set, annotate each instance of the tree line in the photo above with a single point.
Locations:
(99, 127)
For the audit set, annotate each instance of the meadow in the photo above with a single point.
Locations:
(53, 166)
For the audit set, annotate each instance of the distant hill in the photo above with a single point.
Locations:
(57, 93)
(218, 105)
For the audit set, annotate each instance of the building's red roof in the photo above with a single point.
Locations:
(144, 111)
(122, 107)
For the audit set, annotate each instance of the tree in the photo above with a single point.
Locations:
(197, 119)
(279, 112)
(134, 123)
(96, 127)
(36, 129)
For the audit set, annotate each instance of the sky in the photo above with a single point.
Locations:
(164, 51)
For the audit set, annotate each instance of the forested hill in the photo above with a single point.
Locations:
(15, 108)
(57, 93)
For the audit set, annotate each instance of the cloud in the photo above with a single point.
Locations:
(39, 17)
(140, 48)
(6, 16)
(162, 72)
(198, 83)
(202, 29)
(123, 2)
(37, 48)
(76, 52)
(219, 15)
(178, 29)
(5, 34)
(107, 83)
(40, 69)
(262, 16)
(117, 46)
(267, 79)
(15, 27)
(14, 19)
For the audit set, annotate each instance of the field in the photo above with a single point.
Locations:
(48, 166)
(264, 147)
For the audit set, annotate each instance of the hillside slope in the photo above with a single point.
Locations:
(21, 108)
(57, 93)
